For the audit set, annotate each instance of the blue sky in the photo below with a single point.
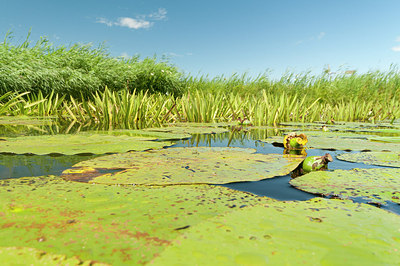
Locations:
(222, 37)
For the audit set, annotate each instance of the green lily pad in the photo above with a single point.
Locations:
(197, 124)
(376, 185)
(191, 166)
(375, 158)
(342, 143)
(315, 232)
(119, 225)
(150, 135)
(373, 128)
(32, 256)
(386, 139)
(336, 134)
(188, 129)
(25, 120)
(77, 143)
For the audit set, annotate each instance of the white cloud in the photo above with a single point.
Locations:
(133, 23)
(398, 39)
(396, 48)
(172, 54)
(159, 15)
(312, 38)
(104, 21)
(321, 35)
(139, 22)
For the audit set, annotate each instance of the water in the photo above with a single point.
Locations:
(278, 187)
(15, 166)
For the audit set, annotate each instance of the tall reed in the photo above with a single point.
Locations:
(110, 109)
(80, 70)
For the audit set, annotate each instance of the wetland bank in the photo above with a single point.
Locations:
(114, 161)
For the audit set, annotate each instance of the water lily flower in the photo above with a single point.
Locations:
(295, 141)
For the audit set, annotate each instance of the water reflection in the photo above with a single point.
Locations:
(14, 166)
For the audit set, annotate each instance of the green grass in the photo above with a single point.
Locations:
(86, 85)
(80, 70)
(332, 89)
(123, 109)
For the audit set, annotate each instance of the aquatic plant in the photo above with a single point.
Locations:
(313, 232)
(200, 165)
(80, 69)
(372, 185)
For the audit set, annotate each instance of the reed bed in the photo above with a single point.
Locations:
(110, 109)
(80, 70)
(328, 87)
(86, 85)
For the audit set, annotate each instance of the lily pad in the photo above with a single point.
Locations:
(374, 158)
(375, 185)
(112, 224)
(343, 143)
(315, 232)
(371, 128)
(77, 143)
(191, 166)
(386, 139)
(32, 256)
(196, 124)
(25, 120)
(150, 135)
(188, 129)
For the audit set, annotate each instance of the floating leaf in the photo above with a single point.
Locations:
(375, 158)
(188, 129)
(376, 185)
(112, 224)
(343, 143)
(77, 143)
(357, 127)
(25, 120)
(314, 232)
(150, 135)
(336, 134)
(32, 256)
(191, 166)
(196, 124)
(386, 139)
(340, 125)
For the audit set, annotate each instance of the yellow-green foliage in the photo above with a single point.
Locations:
(80, 70)
(140, 109)
(86, 85)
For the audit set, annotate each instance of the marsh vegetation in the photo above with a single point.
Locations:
(85, 84)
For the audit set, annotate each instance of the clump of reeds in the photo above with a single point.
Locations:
(86, 85)
(80, 70)
(330, 89)
(109, 109)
